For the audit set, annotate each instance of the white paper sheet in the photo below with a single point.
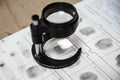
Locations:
(98, 34)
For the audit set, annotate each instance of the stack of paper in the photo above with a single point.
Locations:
(98, 34)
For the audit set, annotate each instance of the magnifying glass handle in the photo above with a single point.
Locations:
(39, 32)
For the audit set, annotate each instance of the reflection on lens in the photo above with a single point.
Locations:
(59, 17)
(35, 71)
(87, 31)
(118, 60)
(104, 43)
(88, 76)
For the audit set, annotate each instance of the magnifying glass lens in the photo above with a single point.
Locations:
(59, 49)
(59, 17)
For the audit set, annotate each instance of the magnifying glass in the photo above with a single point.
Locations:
(58, 20)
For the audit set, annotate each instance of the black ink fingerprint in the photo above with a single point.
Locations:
(26, 53)
(2, 64)
(35, 71)
(104, 43)
(118, 60)
(87, 31)
(12, 54)
(24, 49)
(88, 76)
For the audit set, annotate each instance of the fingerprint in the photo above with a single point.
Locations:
(12, 54)
(3, 40)
(88, 76)
(2, 64)
(58, 49)
(87, 31)
(118, 60)
(104, 43)
(24, 49)
(35, 71)
(26, 53)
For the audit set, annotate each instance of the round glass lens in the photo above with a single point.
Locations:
(59, 17)
(59, 49)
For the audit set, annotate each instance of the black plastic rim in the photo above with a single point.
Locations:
(60, 6)
(48, 62)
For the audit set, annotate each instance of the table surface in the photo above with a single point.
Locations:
(16, 14)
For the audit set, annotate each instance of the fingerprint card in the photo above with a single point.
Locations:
(16, 52)
(87, 31)
(33, 71)
(113, 59)
(25, 48)
(80, 64)
(8, 69)
(54, 76)
(103, 45)
(89, 73)
(2, 76)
